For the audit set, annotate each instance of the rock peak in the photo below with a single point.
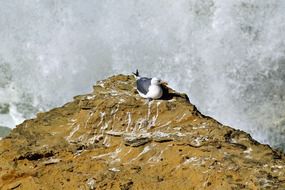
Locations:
(114, 139)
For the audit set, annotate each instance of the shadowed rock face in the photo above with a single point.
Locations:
(114, 139)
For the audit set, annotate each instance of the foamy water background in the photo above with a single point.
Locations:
(227, 55)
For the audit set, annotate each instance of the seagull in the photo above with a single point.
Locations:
(149, 88)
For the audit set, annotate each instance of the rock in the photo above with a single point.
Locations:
(135, 140)
(91, 183)
(114, 139)
(52, 161)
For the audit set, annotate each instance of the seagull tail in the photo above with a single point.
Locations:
(137, 75)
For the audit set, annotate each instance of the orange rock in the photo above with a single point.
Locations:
(114, 139)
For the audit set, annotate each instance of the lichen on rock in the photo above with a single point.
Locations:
(114, 139)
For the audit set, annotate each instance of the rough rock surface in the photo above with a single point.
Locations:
(113, 139)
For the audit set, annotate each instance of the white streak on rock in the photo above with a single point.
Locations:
(152, 122)
(278, 166)
(114, 170)
(129, 121)
(177, 128)
(52, 161)
(145, 150)
(179, 134)
(74, 130)
(115, 133)
(102, 115)
(140, 124)
(121, 100)
(198, 140)
(157, 156)
(52, 133)
(191, 160)
(101, 155)
(203, 126)
(113, 156)
(130, 150)
(115, 110)
(159, 134)
(106, 141)
(248, 153)
(91, 183)
(114, 93)
(90, 97)
(90, 115)
(164, 125)
(180, 119)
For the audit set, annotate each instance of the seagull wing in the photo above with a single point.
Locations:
(143, 84)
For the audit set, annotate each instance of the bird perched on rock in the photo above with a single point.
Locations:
(149, 88)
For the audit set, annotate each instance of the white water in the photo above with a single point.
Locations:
(227, 55)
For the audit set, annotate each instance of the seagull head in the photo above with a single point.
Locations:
(155, 81)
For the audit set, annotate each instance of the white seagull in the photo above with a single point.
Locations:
(149, 88)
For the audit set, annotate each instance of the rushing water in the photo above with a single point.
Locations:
(227, 55)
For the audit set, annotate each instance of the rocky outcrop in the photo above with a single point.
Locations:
(113, 139)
